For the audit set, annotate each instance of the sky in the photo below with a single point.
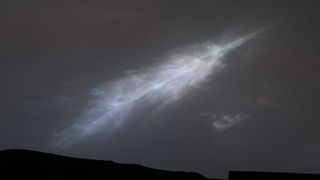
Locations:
(255, 108)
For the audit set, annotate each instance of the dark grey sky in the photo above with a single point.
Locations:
(53, 52)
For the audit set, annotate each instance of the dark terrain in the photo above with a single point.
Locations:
(25, 164)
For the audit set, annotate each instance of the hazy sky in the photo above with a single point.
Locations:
(260, 112)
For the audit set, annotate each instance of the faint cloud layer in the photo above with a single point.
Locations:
(224, 122)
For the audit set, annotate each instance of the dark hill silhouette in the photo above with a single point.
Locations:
(247, 175)
(25, 164)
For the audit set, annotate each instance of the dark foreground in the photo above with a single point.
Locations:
(24, 164)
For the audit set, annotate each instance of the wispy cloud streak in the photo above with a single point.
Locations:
(156, 86)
